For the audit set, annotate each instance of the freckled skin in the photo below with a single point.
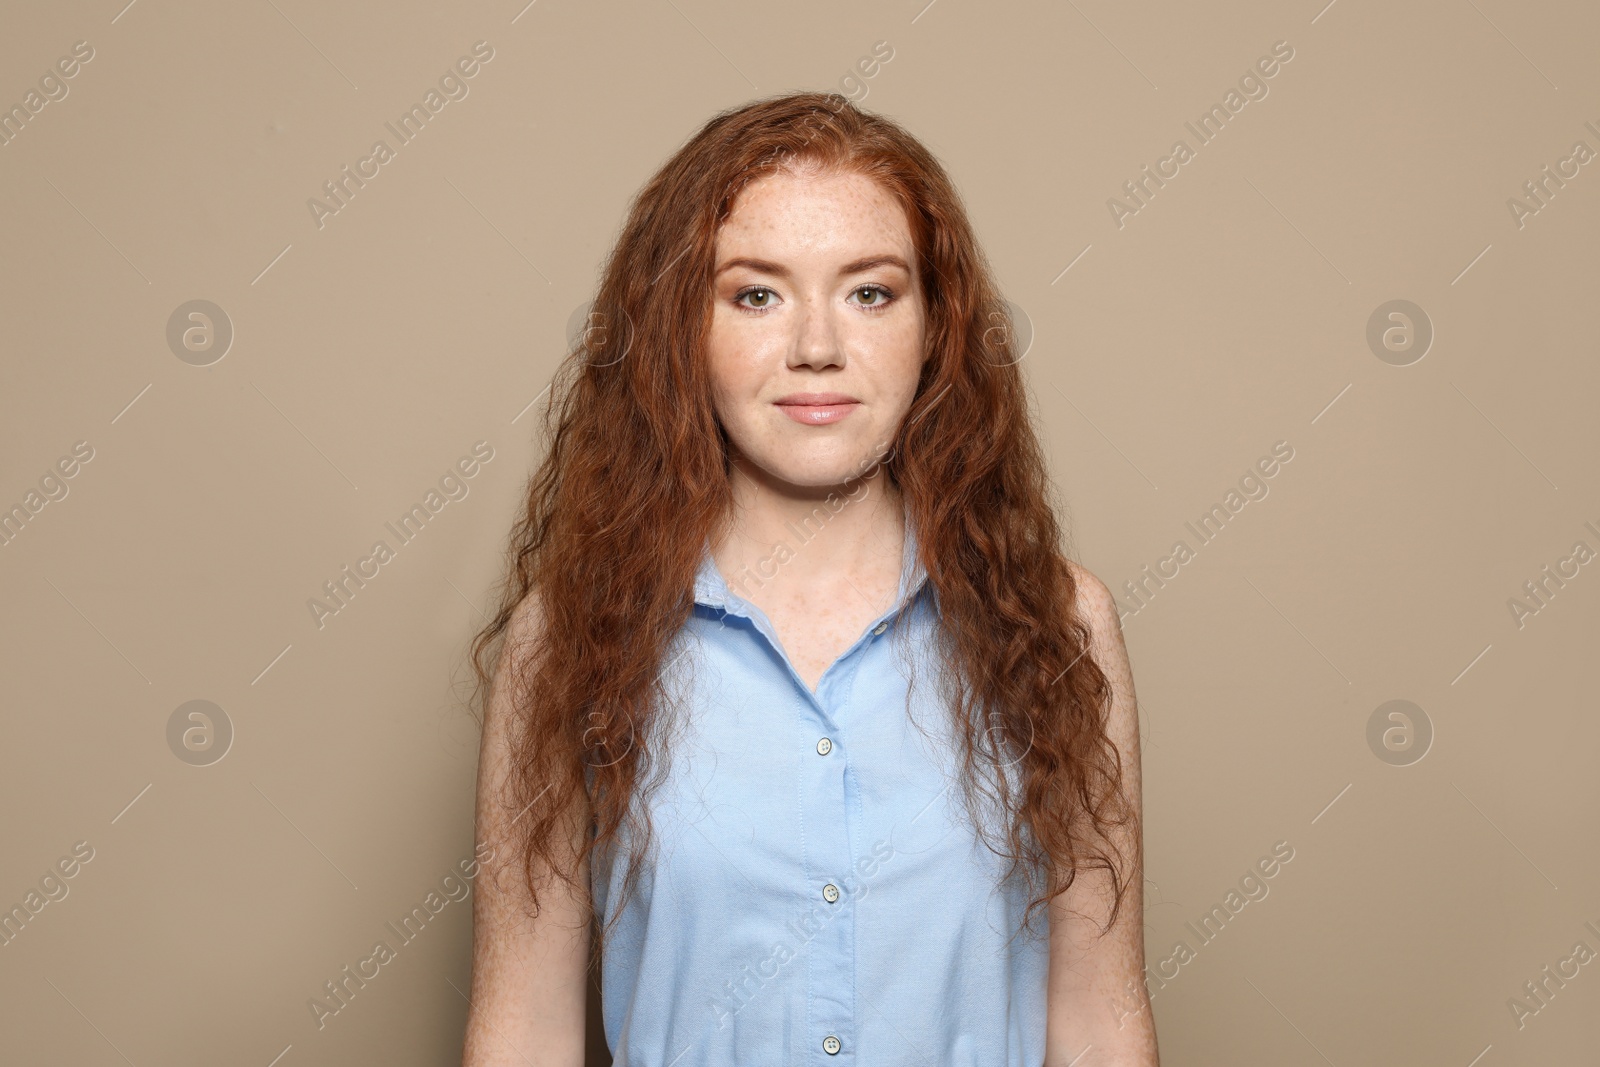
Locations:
(815, 637)
(815, 328)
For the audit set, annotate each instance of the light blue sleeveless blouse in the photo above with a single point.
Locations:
(815, 893)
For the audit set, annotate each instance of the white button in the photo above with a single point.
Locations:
(830, 892)
(830, 1045)
(878, 629)
(824, 747)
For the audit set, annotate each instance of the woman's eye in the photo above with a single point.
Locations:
(873, 296)
(759, 298)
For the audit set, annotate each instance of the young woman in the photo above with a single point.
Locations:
(799, 699)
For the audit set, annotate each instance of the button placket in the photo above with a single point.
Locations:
(829, 807)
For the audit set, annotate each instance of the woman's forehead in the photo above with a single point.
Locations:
(811, 214)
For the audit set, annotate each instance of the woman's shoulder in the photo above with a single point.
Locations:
(525, 623)
(1091, 597)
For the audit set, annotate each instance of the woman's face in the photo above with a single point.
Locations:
(816, 337)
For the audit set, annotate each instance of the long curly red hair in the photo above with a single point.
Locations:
(635, 480)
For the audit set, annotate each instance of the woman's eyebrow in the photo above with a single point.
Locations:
(856, 267)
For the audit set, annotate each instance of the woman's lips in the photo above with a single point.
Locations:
(817, 409)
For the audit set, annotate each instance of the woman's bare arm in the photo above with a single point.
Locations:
(529, 976)
(1099, 1013)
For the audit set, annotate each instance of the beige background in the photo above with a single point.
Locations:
(369, 355)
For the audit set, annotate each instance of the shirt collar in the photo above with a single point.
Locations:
(712, 590)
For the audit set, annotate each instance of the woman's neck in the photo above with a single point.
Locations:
(782, 540)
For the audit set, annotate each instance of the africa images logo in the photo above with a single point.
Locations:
(1206, 128)
(452, 86)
